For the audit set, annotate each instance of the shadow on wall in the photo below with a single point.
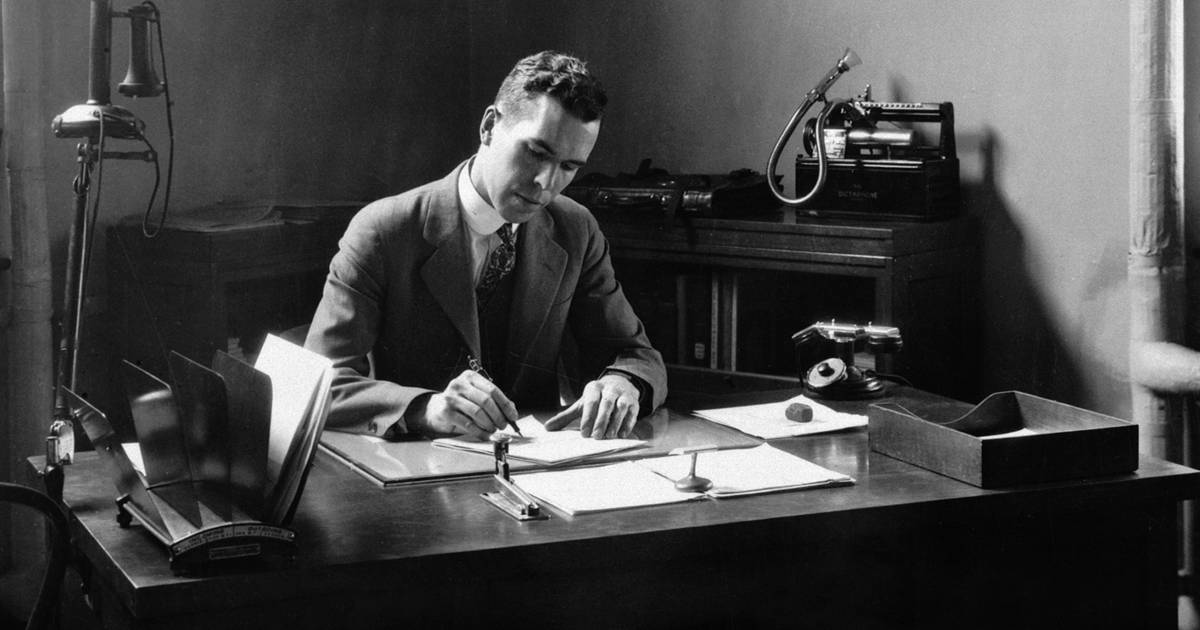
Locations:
(1102, 333)
(1018, 348)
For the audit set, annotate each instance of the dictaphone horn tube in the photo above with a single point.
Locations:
(848, 60)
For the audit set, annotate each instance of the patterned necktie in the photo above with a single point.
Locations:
(498, 265)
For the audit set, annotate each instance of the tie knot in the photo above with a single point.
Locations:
(499, 264)
(506, 234)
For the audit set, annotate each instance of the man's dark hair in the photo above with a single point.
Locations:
(561, 76)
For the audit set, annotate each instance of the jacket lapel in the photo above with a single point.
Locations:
(541, 263)
(447, 272)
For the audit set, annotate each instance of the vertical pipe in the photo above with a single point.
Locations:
(29, 334)
(1160, 368)
(1156, 262)
(101, 54)
(6, 364)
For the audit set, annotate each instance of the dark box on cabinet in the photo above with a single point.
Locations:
(897, 190)
(1010, 438)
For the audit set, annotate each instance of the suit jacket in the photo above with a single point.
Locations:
(400, 290)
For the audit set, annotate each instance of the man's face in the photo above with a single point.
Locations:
(527, 157)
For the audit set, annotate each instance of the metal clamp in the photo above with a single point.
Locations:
(510, 498)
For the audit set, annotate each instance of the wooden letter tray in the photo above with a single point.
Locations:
(1010, 438)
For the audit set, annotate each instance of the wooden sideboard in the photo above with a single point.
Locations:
(723, 294)
(728, 293)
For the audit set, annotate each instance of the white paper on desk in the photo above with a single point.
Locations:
(602, 488)
(769, 421)
(536, 444)
(743, 471)
(1009, 434)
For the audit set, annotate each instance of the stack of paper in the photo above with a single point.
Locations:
(651, 481)
(537, 445)
(745, 471)
(300, 400)
(769, 421)
(601, 488)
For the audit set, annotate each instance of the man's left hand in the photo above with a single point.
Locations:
(608, 409)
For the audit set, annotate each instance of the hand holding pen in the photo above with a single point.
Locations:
(477, 367)
(470, 405)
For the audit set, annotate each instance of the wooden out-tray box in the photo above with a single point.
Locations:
(1010, 438)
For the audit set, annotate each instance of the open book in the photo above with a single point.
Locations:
(300, 401)
(222, 452)
(548, 448)
(651, 481)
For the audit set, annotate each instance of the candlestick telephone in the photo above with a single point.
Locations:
(837, 377)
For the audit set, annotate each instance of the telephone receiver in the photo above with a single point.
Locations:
(837, 377)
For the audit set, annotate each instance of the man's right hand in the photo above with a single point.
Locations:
(470, 405)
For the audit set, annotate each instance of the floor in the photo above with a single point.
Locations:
(19, 588)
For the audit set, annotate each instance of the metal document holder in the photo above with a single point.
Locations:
(203, 491)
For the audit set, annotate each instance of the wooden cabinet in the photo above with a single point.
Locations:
(196, 289)
(728, 293)
(714, 293)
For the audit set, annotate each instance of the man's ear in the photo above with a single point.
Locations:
(490, 116)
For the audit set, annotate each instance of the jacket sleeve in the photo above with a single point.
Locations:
(606, 331)
(345, 328)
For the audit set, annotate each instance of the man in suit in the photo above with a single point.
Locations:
(470, 295)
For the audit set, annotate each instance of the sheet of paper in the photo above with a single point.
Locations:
(1009, 434)
(295, 374)
(601, 488)
(768, 420)
(651, 481)
(536, 444)
(133, 451)
(744, 471)
(295, 468)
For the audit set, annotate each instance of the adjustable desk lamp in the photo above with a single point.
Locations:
(93, 122)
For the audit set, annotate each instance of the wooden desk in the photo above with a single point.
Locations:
(903, 547)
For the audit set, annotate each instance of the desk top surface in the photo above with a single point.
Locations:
(351, 531)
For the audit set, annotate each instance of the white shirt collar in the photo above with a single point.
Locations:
(480, 216)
